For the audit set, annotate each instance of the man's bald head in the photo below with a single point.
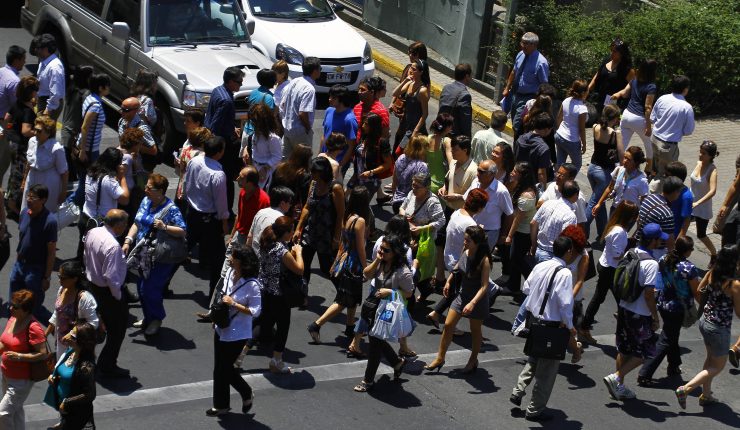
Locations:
(131, 102)
(115, 217)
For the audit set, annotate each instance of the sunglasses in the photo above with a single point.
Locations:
(384, 250)
(124, 110)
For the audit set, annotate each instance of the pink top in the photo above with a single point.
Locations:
(20, 342)
(105, 264)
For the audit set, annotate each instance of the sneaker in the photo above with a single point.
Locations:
(707, 400)
(279, 366)
(138, 324)
(681, 396)
(734, 358)
(624, 393)
(611, 385)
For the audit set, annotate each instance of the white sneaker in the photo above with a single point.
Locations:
(279, 367)
(138, 324)
(623, 393)
(610, 381)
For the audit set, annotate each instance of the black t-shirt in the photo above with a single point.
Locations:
(20, 114)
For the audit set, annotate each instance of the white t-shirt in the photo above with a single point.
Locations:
(630, 188)
(648, 277)
(111, 191)
(572, 109)
(499, 201)
(615, 243)
(262, 219)
(552, 193)
(455, 237)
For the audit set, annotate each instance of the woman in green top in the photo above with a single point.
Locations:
(440, 154)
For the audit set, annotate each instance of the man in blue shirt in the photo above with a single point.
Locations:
(673, 118)
(683, 205)
(51, 77)
(341, 119)
(530, 70)
(36, 251)
(220, 115)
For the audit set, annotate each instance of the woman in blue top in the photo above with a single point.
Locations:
(152, 280)
(72, 384)
(680, 281)
(267, 79)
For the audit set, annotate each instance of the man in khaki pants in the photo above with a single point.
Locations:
(15, 59)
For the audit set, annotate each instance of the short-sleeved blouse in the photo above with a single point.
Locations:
(271, 264)
(528, 205)
(21, 342)
(245, 292)
(436, 164)
(110, 191)
(629, 187)
(146, 214)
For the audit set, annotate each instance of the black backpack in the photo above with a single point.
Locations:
(626, 284)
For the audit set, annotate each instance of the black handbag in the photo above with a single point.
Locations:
(369, 308)
(4, 246)
(168, 249)
(591, 272)
(546, 339)
(220, 312)
(294, 288)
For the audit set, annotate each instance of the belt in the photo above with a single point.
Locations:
(665, 141)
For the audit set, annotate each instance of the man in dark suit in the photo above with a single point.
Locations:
(456, 100)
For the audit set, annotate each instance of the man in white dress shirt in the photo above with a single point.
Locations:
(551, 219)
(51, 76)
(499, 202)
(672, 118)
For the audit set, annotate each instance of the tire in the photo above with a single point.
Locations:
(171, 139)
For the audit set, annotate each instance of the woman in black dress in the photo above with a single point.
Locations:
(613, 74)
(471, 271)
(20, 121)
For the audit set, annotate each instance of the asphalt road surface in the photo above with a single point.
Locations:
(170, 385)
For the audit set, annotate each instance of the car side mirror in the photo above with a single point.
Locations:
(250, 25)
(120, 30)
(338, 7)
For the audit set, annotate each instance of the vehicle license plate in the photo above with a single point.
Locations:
(332, 78)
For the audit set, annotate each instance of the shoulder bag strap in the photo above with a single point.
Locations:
(421, 206)
(549, 290)
(247, 281)
(97, 196)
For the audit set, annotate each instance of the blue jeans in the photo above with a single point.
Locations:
(151, 292)
(517, 107)
(78, 195)
(565, 148)
(28, 276)
(599, 179)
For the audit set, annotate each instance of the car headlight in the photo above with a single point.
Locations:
(367, 55)
(289, 54)
(194, 99)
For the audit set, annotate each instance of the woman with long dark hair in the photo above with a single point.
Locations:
(680, 281)
(277, 255)
(614, 72)
(295, 173)
(471, 272)
(262, 147)
(524, 198)
(72, 384)
(144, 89)
(628, 182)
(22, 117)
(372, 160)
(349, 263)
(414, 89)
(722, 289)
(391, 273)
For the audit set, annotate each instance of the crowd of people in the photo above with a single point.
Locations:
(460, 204)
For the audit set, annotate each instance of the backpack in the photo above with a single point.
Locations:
(626, 284)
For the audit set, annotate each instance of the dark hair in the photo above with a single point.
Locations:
(419, 49)
(647, 72)
(677, 169)
(570, 189)
(477, 200)
(322, 165)
(442, 121)
(571, 169)
(682, 245)
(274, 232)
(625, 63)
(358, 203)
(232, 73)
(561, 246)
(526, 180)
(249, 263)
(86, 339)
(280, 194)
(398, 225)
(462, 142)
(47, 41)
(145, 80)
(575, 233)
(295, 166)
(578, 88)
(267, 78)
(74, 269)
(507, 156)
(335, 141)
(24, 300)
(498, 119)
(97, 81)
(25, 89)
(41, 191)
(609, 113)
(725, 267)
(15, 52)
(479, 237)
(342, 94)
(624, 215)
(196, 115)
(375, 124)
(542, 103)
(373, 83)
(423, 67)
(542, 121)
(310, 64)
(547, 89)
(263, 120)
(214, 145)
(671, 184)
(462, 70)
(81, 77)
(679, 83)
(710, 148)
(106, 164)
(638, 155)
(398, 248)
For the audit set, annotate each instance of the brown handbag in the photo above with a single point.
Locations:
(40, 370)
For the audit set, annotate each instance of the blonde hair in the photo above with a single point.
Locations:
(281, 66)
(48, 124)
(417, 148)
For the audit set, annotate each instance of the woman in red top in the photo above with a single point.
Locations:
(21, 343)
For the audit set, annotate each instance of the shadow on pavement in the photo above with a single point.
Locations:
(392, 393)
(235, 420)
(647, 409)
(166, 340)
(120, 386)
(481, 380)
(720, 413)
(577, 380)
(295, 381)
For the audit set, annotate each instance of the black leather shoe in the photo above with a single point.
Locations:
(539, 418)
(517, 401)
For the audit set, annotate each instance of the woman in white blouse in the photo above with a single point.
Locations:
(242, 293)
(628, 182)
(46, 164)
(264, 148)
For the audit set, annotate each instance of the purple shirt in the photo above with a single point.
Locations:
(205, 187)
(104, 261)
(8, 84)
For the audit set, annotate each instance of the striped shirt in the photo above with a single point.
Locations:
(655, 208)
(92, 104)
(552, 218)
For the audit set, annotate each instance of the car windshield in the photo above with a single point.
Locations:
(290, 9)
(186, 22)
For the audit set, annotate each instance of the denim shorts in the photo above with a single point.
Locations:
(717, 338)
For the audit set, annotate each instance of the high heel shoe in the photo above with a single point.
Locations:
(470, 370)
(430, 367)
(398, 369)
(247, 404)
(434, 321)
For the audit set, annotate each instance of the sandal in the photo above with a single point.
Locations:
(434, 321)
(407, 354)
(364, 387)
(707, 400)
(681, 396)
(354, 353)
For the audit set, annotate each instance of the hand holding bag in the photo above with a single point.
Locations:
(388, 319)
(168, 249)
(546, 339)
(220, 312)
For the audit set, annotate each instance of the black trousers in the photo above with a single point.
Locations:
(275, 311)
(520, 244)
(225, 374)
(325, 261)
(114, 314)
(603, 286)
(667, 344)
(377, 349)
(206, 230)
